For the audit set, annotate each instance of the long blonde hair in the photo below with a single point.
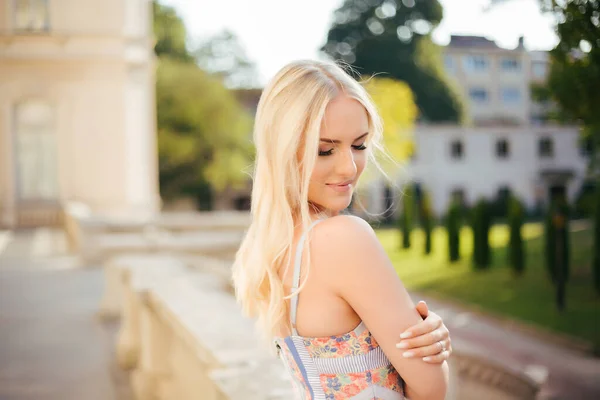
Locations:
(286, 136)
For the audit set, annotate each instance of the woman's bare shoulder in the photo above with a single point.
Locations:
(344, 237)
(344, 226)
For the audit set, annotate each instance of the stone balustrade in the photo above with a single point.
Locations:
(91, 235)
(476, 378)
(183, 337)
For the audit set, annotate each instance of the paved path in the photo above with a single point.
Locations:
(571, 374)
(52, 347)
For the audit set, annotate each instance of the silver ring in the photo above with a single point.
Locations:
(442, 345)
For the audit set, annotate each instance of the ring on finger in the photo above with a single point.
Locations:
(442, 346)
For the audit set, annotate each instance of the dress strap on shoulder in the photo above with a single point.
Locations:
(296, 280)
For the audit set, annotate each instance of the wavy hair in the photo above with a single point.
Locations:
(286, 136)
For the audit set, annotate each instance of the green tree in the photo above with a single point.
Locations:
(481, 223)
(516, 217)
(427, 220)
(203, 132)
(453, 223)
(574, 78)
(406, 218)
(170, 33)
(394, 37)
(223, 55)
(203, 139)
(596, 261)
(395, 103)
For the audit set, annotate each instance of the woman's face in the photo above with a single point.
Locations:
(342, 155)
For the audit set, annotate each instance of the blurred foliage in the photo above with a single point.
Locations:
(516, 219)
(574, 78)
(170, 33)
(203, 131)
(396, 106)
(393, 37)
(481, 224)
(596, 259)
(223, 55)
(453, 225)
(406, 217)
(426, 212)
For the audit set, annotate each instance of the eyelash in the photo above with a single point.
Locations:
(330, 152)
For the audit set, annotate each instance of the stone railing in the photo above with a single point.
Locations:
(183, 336)
(476, 378)
(97, 237)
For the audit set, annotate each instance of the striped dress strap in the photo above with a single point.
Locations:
(296, 281)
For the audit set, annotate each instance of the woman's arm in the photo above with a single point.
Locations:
(362, 274)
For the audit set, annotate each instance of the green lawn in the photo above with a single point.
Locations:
(530, 297)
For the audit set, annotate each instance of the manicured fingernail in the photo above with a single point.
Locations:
(406, 335)
(402, 345)
(426, 359)
(408, 354)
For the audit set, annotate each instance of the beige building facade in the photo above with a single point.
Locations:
(77, 108)
(494, 81)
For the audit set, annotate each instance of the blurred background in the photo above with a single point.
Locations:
(125, 160)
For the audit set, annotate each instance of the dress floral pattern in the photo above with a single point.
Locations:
(342, 385)
(349, 344)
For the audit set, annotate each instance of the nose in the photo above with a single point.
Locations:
(346, 166)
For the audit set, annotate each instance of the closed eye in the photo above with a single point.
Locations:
(329, 152)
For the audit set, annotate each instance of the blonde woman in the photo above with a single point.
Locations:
(318, 281)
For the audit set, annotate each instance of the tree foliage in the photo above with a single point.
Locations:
(170, 33)
(203, 131)
(574, 77)
(224, 56)
(394, 37)
(395, 104)
(453, 224)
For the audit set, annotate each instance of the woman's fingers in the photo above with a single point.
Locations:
(432, 350)
(431, 323)
(422, 309)
(426, 339)
(439, 358)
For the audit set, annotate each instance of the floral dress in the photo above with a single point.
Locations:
(348, 366)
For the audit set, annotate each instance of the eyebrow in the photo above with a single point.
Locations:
(337, 141)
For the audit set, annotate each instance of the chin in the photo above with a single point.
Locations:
(338, 205)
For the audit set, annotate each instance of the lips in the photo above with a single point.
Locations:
(343, 187)
(346, 183)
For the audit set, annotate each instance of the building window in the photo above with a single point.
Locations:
(510, 65)
(539, 69)
(456, 149)
(475, 63)
(502, 148)
(37, 175)
(511, 96)
(478, 95)
(546, 148)
(31, 15)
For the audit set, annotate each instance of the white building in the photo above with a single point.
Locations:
(469, 163)
(77, 108)
(505, 147)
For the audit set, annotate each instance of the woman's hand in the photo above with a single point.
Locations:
(428, 339)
